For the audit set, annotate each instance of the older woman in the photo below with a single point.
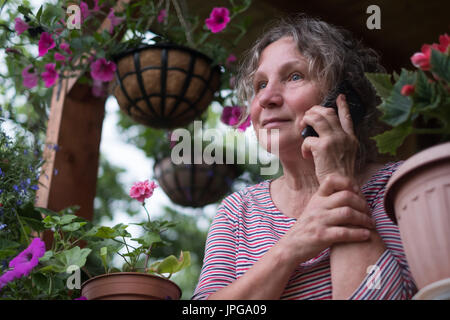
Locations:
(320, 230)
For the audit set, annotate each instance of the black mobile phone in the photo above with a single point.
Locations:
(357, 110)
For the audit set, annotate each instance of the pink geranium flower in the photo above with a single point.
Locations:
(49, 75)
(408, 89)
(20, 26)
(231, 59)
(218, 19)
(114, 20)
(232, 115)
(162, 15)
(142, 190)
(422, 59)
(46, 43)
(103, 70)
(30, 79)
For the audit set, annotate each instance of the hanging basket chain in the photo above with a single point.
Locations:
(184, 23)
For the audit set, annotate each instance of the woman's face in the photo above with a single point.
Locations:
(283, 92)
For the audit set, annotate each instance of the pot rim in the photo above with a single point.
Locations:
(112, 274)
(425, 157)
(163, 45)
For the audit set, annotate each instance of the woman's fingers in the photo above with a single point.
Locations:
(347, 216)
(344, 115)
(346, 234)
(336, 182)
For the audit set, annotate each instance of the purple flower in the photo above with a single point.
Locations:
(218, 19)
(103, 70)
(81, 298)
(50, 75)
(114, 20)
(20, 26)
(28, 258)
(8, 276)
(24, 262)
(46, 43)
(30, 79)
(162, 15)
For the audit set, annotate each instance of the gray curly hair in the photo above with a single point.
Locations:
(333, 54)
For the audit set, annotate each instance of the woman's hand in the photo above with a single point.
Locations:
(334, 151)
(337, 212)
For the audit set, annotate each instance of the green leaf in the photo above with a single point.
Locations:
(74, 256)
(24, 10)
(397, 107)
(381, 82)
(40, 281)
(425, 93)
(66, 219)
(104, 256)
(171, 264)
(118, 230)
(73, 226)
(440, 64)
(390, 141)
(38, 15)
(148, 239)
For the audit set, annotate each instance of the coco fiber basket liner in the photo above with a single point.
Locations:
(165, 85)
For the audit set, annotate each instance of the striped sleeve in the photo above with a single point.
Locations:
(389, 278)
(219, 264)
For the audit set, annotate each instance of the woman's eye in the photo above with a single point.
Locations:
(296, 77)
(261, 85)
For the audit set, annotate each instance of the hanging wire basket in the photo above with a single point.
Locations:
(164, 85)
(195, 185)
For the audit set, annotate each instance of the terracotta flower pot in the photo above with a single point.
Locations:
(195, 185)
(164, 85)
(130, 286)
(419, 195)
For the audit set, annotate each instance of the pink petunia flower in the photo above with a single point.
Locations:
(65, 47)
(28, 258)
(98, 88)
(49, 75)
(162, 15)
(96, 6)
(408, 89)
(231, 59)
(20, 26)
(84, 10)
(46, 43)
(232, 115)
(142, 190)
(30, 79)
(218, 19)
(59, 57)
(114, 20)
(103, 70)
(81, 298)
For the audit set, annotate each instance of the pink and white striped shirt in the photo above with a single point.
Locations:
(247, 224)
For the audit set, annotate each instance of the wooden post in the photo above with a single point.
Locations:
(75, 125)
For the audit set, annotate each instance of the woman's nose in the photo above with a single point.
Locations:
(271, 97)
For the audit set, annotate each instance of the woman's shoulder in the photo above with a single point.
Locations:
(379, 176)
(248, 196)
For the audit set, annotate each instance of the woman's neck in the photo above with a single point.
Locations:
(299, 174)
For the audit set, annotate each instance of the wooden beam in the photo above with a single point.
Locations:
(75, 124)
